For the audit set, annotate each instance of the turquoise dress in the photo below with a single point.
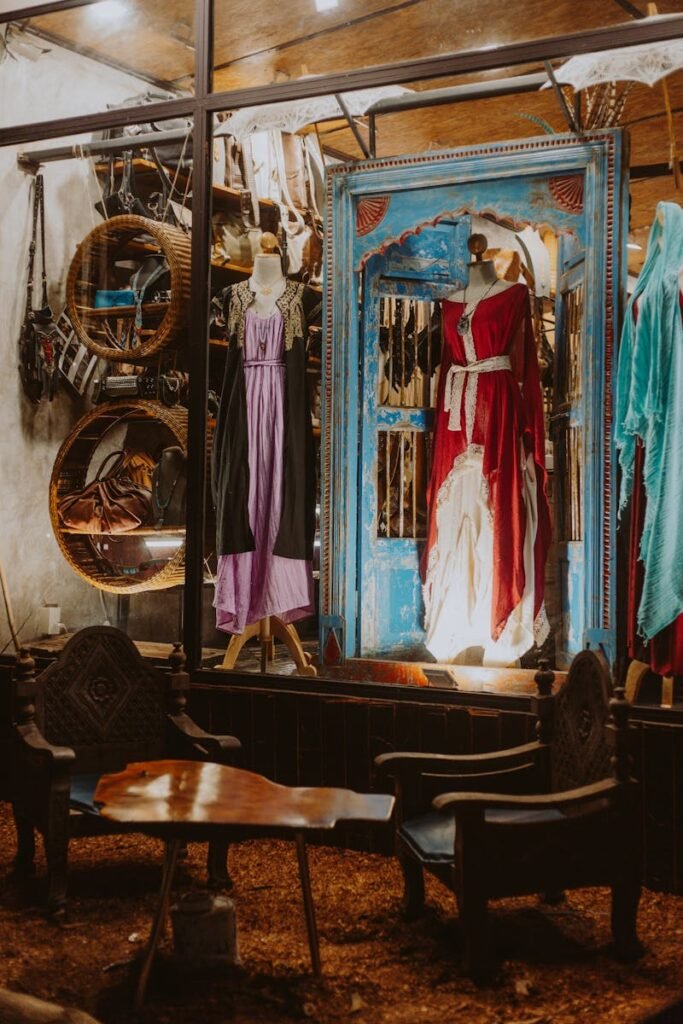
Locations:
(650, 407)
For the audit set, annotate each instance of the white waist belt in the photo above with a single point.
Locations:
(455, 382)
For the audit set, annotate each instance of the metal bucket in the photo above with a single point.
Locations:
(204, 929)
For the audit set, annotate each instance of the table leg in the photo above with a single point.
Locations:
(308, 902)
(170, 859)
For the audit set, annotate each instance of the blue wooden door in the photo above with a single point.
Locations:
(401, 351)
(376, 446)
(569, 437)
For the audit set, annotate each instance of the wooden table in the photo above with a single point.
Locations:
(183, 801)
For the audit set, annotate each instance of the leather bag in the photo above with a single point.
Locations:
(113, 502)
(125, 199)
(170, 153)
(233, 241)
(235, 176)
(169, 484)
(295, 169)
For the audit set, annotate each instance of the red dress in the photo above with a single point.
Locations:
(489, 436)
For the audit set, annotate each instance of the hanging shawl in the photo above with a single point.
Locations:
(649, 404)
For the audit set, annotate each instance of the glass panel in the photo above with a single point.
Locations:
(107, 54)
(97, 444)
(259, 43)
(268, 189)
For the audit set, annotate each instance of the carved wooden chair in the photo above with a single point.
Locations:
(555, 814)
(94, 710)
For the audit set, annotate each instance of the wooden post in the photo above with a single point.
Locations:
(25, 689)
(542, 704)
(180, 680)
(618, 735)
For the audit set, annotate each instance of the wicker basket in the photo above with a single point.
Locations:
(110, 332)
(69, 474)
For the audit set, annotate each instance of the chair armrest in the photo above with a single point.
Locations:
(516, 768)
(33, 744)
(408, 764)
(208, 746)
(541, 801)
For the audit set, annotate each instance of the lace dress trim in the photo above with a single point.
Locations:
(290, 305)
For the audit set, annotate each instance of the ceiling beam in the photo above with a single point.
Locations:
(642, 171)
(102, 58)
(24, 13)
(630, 8)
(320, 33)
(535, 51)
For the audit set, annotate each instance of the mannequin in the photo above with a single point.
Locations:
(263, 468)
(267, 280)
(482, 278)
(489, 520)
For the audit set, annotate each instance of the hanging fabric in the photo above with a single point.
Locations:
(649, 396)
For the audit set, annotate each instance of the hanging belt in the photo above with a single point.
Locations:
(263, 362)
(455, 382)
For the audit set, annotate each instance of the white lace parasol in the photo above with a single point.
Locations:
(296, 114)
(647, 63)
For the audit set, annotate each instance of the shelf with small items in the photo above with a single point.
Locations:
(148, 247)
(146, 170)
(153, 308)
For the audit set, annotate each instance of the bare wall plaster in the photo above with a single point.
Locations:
(56, 84)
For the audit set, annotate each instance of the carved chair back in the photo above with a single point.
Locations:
(579, 752)
(102, 699)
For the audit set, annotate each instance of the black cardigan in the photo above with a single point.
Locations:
(300, 307)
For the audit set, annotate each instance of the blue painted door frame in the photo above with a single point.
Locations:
(572, 184)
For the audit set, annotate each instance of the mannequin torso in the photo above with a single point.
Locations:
(482, 282)
(267, 283)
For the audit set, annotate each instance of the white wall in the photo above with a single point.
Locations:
(31, 90)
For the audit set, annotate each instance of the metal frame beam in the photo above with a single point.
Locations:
(459, 93)
(149, 140)
(200, 296)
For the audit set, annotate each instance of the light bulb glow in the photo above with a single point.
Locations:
(107, 12)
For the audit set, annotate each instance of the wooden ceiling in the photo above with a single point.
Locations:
(258, 42)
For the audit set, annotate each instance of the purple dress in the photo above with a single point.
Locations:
(253, 584)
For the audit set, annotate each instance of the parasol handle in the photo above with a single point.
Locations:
(673, 149)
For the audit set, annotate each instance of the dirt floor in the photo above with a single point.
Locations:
(376, 968)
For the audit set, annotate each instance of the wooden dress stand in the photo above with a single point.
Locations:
(268, 630)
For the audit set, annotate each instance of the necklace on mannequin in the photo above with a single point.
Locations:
(260, 289)
(463, 325)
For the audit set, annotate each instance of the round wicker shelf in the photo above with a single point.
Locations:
(81, 550)
(112, 332)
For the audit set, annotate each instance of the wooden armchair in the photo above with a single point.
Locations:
(539, 818)
(94, 710)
